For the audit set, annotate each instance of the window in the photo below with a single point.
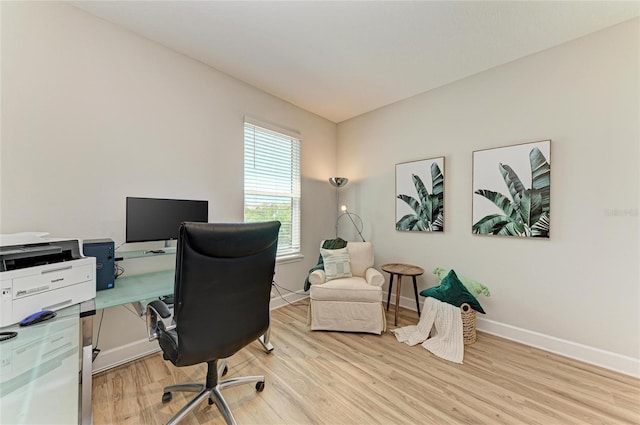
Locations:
(272, 183)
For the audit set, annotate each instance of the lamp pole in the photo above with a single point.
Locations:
(338, 182)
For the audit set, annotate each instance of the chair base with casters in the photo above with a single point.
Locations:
(211, 390)
(212, 387)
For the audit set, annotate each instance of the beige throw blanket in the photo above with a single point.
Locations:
(444, 322)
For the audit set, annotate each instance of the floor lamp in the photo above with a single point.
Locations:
(338, 182)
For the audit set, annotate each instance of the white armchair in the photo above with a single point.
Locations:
(350, 304)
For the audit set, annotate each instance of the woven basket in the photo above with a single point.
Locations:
(468, 324)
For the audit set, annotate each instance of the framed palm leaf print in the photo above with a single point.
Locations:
(512, 190)
(420, 195)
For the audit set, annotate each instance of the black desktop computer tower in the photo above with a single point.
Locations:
(103, 250)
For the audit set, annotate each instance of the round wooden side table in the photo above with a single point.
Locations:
(399, 269)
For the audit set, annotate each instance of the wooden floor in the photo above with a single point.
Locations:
(346, 378)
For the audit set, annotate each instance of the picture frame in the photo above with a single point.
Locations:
(420, 195)
(512, 190)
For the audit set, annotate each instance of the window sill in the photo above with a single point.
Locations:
(292, 258)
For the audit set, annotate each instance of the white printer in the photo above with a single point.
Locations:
(38, 273)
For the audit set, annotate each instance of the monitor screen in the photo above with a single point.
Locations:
(151, 219)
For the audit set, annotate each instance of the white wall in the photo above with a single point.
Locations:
(576, 293)
(92, 113)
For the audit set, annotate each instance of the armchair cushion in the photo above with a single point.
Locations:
(372, 276)
(336, 263)
(346, 290)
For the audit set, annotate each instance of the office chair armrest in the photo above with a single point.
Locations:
(374, 277)
(154, 309)
(318, 277)
(160, 308)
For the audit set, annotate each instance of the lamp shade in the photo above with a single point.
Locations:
(338, 181)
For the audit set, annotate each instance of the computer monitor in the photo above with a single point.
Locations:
(152, 219)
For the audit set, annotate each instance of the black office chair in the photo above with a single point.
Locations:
(221, 303)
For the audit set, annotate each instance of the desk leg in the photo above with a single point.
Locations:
(264, 340)
(389, 291)
(142, 311)
(415, 291)
(398, 285)
(87, 368)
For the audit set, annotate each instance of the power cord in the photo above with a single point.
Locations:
(96, 350)
(278, 287)
(119, 271)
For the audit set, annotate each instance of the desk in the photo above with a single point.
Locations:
(400, 270)
(131, 289)
(39, 371)
(39, 368)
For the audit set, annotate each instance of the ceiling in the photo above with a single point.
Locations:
(340, 59)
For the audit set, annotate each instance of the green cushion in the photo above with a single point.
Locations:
(475, 287)
(452, 291)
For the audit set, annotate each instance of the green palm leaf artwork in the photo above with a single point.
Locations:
(520, 211)
(417, 209)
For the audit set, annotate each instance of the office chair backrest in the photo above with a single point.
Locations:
(222, 287)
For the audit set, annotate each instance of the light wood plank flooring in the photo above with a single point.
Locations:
(346, 378)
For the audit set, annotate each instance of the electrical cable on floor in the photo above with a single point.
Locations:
(278, 287)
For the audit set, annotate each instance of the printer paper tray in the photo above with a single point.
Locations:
(58, 276)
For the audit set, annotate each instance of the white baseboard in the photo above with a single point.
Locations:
(584, 353)
(117, 356)
(108, 359)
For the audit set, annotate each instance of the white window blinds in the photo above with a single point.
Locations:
(272, 183)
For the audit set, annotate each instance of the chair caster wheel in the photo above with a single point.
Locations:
(225, 370)
(166, 397)
(260, 386)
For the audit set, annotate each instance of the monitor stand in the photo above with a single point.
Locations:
(168, 249)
